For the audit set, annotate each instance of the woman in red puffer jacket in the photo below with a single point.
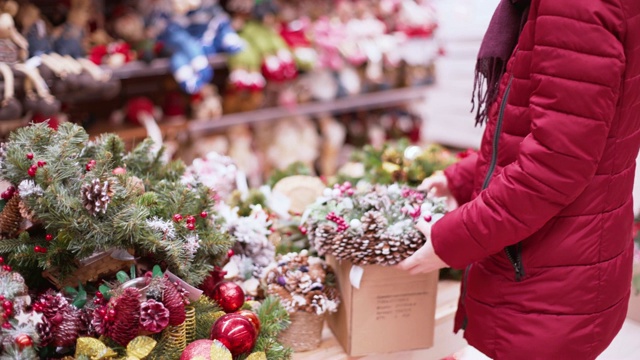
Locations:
(545, 218)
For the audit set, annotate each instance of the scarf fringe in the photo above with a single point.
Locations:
(486, 84)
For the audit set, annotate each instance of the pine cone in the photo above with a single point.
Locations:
(52, 304)
(45, 332)
(96, 196)
(3, 152)
(174, 302)
(10, 218)
(27, 213)
(279, 291)
(154, 316)
(99, 321)
(127, 318)
(86, 317)
(66, 334)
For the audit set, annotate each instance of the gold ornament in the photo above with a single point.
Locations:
(257, 356)
(93, 349)
(140, 347)
(219, 351)
(190, 324)
(175, 337)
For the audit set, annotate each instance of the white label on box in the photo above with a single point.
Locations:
(355, 276)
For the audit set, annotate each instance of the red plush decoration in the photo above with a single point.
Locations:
(214, 278)
(136, 106)
(235, 332)
(174, 104)
(252, 317)
(229, 296)
(53, 121)
(199, 349)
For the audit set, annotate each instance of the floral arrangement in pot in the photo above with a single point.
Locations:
(371, 224)
(306, 287)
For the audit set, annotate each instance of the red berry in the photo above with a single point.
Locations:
(191, 219)
(177, 217)
(6, 326)
(99, 295)
(32, 171)
(48, 237)
(30, 156)
(428, 218)
(92, 162)
(1, 260)
(41, 163)
(7, 305)
(37, 307)
(8, 312)
(89, 167)
(2, 298)
(5, 195)
(303, 230)
(44, 250)
(191, 226)
(204, 214)
(37, 248)
(230, 253)
(6, 267)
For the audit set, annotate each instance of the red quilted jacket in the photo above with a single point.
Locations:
(544, 229)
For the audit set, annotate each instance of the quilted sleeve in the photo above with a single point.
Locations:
(577, 67)
(460, 178)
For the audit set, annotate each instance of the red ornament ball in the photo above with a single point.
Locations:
(48, 237)
(30, 156)
(252, 317)
(229, 296)
(23, 341)
(235, 332)
(177, 217)
(204, 214)
(199, 349)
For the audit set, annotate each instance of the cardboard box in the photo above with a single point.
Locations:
(391, 311)
(634, 303)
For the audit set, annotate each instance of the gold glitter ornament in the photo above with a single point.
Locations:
(93, 349)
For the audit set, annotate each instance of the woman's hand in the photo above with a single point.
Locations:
(438, 185)
(425, 259)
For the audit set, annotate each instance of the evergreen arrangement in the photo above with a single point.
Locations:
(79, 197)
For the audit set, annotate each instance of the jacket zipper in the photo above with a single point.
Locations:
(513, 252)
(464, 294)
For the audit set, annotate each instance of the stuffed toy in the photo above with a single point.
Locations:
(191, 32)
(34, 29)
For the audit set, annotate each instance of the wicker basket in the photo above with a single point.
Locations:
(304, 333)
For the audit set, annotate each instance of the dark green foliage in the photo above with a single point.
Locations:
(149, 191)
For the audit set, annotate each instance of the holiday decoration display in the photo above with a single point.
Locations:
(401, 163)
(215, 171)
(90, 212)
(371, 224)
(307, 288)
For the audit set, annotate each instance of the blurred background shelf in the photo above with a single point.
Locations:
(369, 101)
(157, 67)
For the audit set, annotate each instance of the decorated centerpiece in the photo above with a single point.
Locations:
(306, 287)
(371, 224)
(113, 246)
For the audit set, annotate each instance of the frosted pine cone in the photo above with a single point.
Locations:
(66, 334)
(154, 317)
(96, 196)
(44, 332)
(27, 213)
